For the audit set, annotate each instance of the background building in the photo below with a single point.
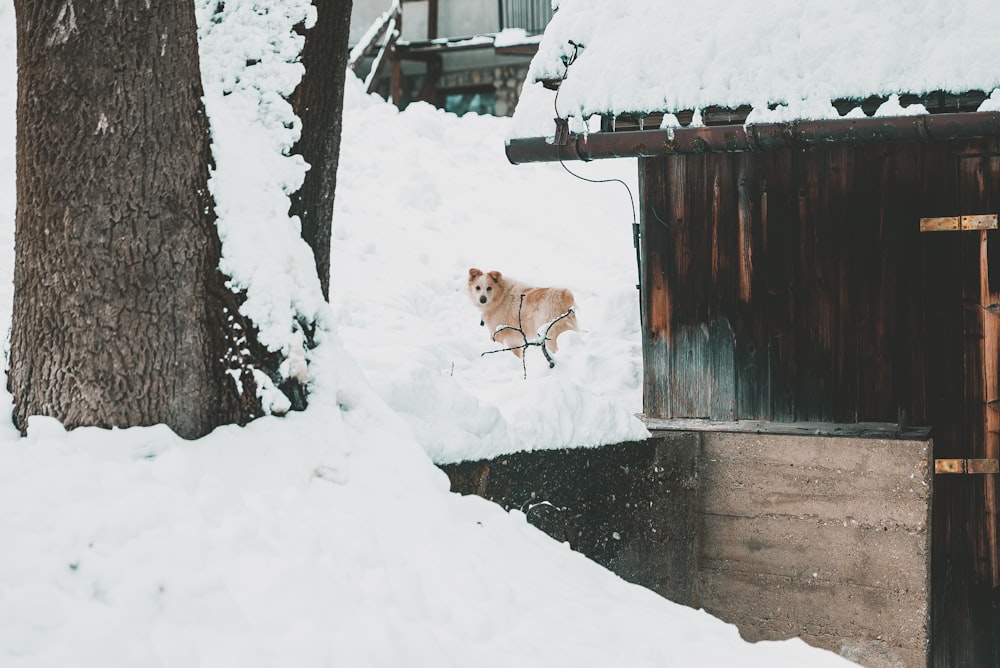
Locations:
(460, 55)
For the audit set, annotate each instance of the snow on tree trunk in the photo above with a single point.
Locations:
(250, 66)
(118, 315)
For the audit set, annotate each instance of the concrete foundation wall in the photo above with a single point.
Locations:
(823, 538)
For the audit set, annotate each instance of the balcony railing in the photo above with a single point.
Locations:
(377, 43)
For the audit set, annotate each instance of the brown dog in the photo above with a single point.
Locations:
(499, 300)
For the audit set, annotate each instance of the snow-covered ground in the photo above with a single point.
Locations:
(423, 197)
(328, 538)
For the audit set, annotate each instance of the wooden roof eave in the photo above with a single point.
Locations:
(433, 48)
(757, 137)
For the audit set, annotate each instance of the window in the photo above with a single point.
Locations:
(477, 101)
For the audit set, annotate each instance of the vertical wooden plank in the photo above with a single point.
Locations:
(864, 234)
(396, 81)
(722, 296)
(990, 287)
(744, 257)
(943, 313)
(842, 209)
(990, 198)
(944, 383)
(432, 19)
(724, 171)
(685, 178)
(690, 384)
(680, 172)
(782, 239)
(970, 513)
(876, 401)
(991, 377)
(984, 409)
(693, 259)
(909, 351)
(753, 389)
(713, 182)
(722, 370)
(655, 199)
(975, 181)
(896, 305)
(813, 322)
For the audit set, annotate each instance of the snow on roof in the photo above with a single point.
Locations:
(647, 56)
(509, 37)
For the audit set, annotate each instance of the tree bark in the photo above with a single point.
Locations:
(120, 314)
(319, 103)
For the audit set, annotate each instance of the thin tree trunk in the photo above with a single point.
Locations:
(118, 304)
(319, 102)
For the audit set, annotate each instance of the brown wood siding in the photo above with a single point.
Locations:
(966, 554)
(795, 286)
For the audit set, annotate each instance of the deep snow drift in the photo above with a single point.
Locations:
(423, 197)
(328, 538)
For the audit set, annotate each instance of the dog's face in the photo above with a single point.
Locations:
(484, 288)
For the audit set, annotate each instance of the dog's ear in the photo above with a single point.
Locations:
(495, 275)
(474, 274)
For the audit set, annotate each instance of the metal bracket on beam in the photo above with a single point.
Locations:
(562, 132)
(954, 223)
(972, 466)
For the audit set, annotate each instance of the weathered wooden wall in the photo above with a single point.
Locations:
(821, 538)
(796, 286)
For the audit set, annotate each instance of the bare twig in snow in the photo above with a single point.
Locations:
(540, 341)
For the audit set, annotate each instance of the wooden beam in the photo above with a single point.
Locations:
(408, 50)
(396, 82)
(883, 430)
(432, 19)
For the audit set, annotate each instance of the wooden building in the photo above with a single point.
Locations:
(836, 275)
(459, 55)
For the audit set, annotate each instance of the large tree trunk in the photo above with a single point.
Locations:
(319, 102)
(118, 305)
